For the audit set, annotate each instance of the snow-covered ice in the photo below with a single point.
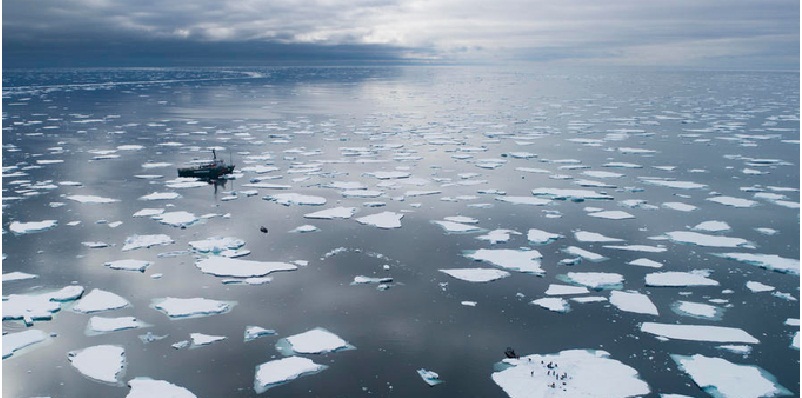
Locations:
(638, 303)
(98, 325)
(612, 215)
(476, 274)
(431, 378)
(144, 241)
(539, 237)
(680, 279)
(201, 339)
(99, 300)
(584, 236)
(280, 371)
(222, 266)
(315, 341)
(177, 308)
(706, 240)
(18, 276)
(334, 212)
(161, 196)
(770, 262)
(255, 332)
(177, 218)
(697, 310)
(580, 252)
(733, 202)
(104, 363)
(385, 220)
(20, 228)
(292, 198)
(720, 377)
(716, 334)
(595, 280)
(14, 342)
(555, 304)
(38, 306)
(498, 236)
(570, 194)
(645, 262)
(758, 287)
(457, 227)
(556, 290)
(712, 226)
(129, 265)
(144, 387)
(91, 199)
(516, 260)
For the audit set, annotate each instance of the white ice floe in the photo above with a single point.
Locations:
(149, 212)
(315, 341)
(720, 377)
(733, 202)
(645, 262)
(697, 310)
(602, 174)
(14, 342)
(18, 276)
(706, 240)
(539, 237)
(612, 215)
(129, 265)
(98, 325)
(716, 334)
(498, 236)
(556, 290)
(770, 262)
(589, 374)
(145, 241)
(161, 196)
(177, 218)
(280, 371)
(255, 332)
(757, 287)
(673, 183)
(191, 307)
(385, 220)
(680, 279)
(711, 226)
(144, 387)
(584, 236)
(431, 378)
(38, 306)
(476, 274)
(291, 198)
(389, 175)
(334, 212)
(468, 303)
(638, 303)
(462, 219)
(570, 194)
(679, 206)
(767, 231)
(304, 229)
(595, 280)
(457, 227)
(638, 248)
(92, 199)
(200, 339)
(104, 363)
(216, 245)
(554, 304)
(523, 200)
(222, 266)
(516, 260)
(580, 252)
(185, 182)
(99, 300)
(20, 228)
(260, 169)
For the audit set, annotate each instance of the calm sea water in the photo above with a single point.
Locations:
(320, 125)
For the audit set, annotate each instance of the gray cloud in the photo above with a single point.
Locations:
(625, 32)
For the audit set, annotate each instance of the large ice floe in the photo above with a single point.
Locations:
(594, 280)
(20, 228)
(716, 334)
(280, 371)
(315, 341)
(332, 213)
(145, 387)
(680, 279)
(14, 342)
(722, 378)
(527, 261)
(99, 300)
(770, 262)
(105, 363)
(706, 240)
(633, 302)
(180, 308)
(384, 220)
(572, 373)
(476, 274)
(222, 266)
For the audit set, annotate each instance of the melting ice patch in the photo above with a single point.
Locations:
(145, 241)
(680, 279)
(91, 199)
(178, 308)
(287, 199)
(104, 363)
(594, 280)
(706, 240)
(280, 371)
(716, 334)
(315, 341)
(476, 274)
(161, 196)
(584, 236)
(20, 228)
(431, 378)
(255, 332)
(679, 206)
(38, 306)
(216, 245)
(770, 262)
(129, 265)
(516, 260)
(588, 374)
(720, 377)
(733, 202)
(554, 304)
(612, 215)
(498, 236)
(14, 342)
(98, 325)
(576, 195)
(538, 237)
(99, 300)
(454, 227)
(144, 387)
(385, 220)
(177, 218)
(222, 266)
(335, 212)
(697, 310)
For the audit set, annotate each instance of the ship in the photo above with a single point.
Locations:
(207, 169)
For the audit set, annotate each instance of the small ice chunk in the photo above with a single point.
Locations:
(148, 212)
(638, 248)
(757, 287)
(476, 274)
(468, 303)
(177, 218)
(576, 195)
(680, 279)
(129, 265)
(14, 342)
(280, 371)
(555, 290)
(161, 196)
(767, 231)
(255, 332)
(385, 220)
(222, 266)
(191, 308)
(431, 378)
(334, 212)
(645, 262)
(104, 363)
(305, 229)
(523, 200)
(679, 206)
(578, 251)
(99, 300)
(91, 199)
(527, 261)
(538, 237)
(17, 276)
(697, 310)
(674, 183)
(498, 236)
(462, 220)
(720, 377)
(98, 325)
(292, 198)
(456, 227)
(733, 202)
(612, 215)
(216, 245)
(638, 303)
(705, 240)
(595, 280)
(554, 304)
(711, 226)
(144, 387)
(144, 241)
(716, 334)
(20, 228)
(315, 341)
(200, 339)
(583, 236)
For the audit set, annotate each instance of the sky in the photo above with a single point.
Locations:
(720, 34)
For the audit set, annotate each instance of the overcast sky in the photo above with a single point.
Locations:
(730, 34)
